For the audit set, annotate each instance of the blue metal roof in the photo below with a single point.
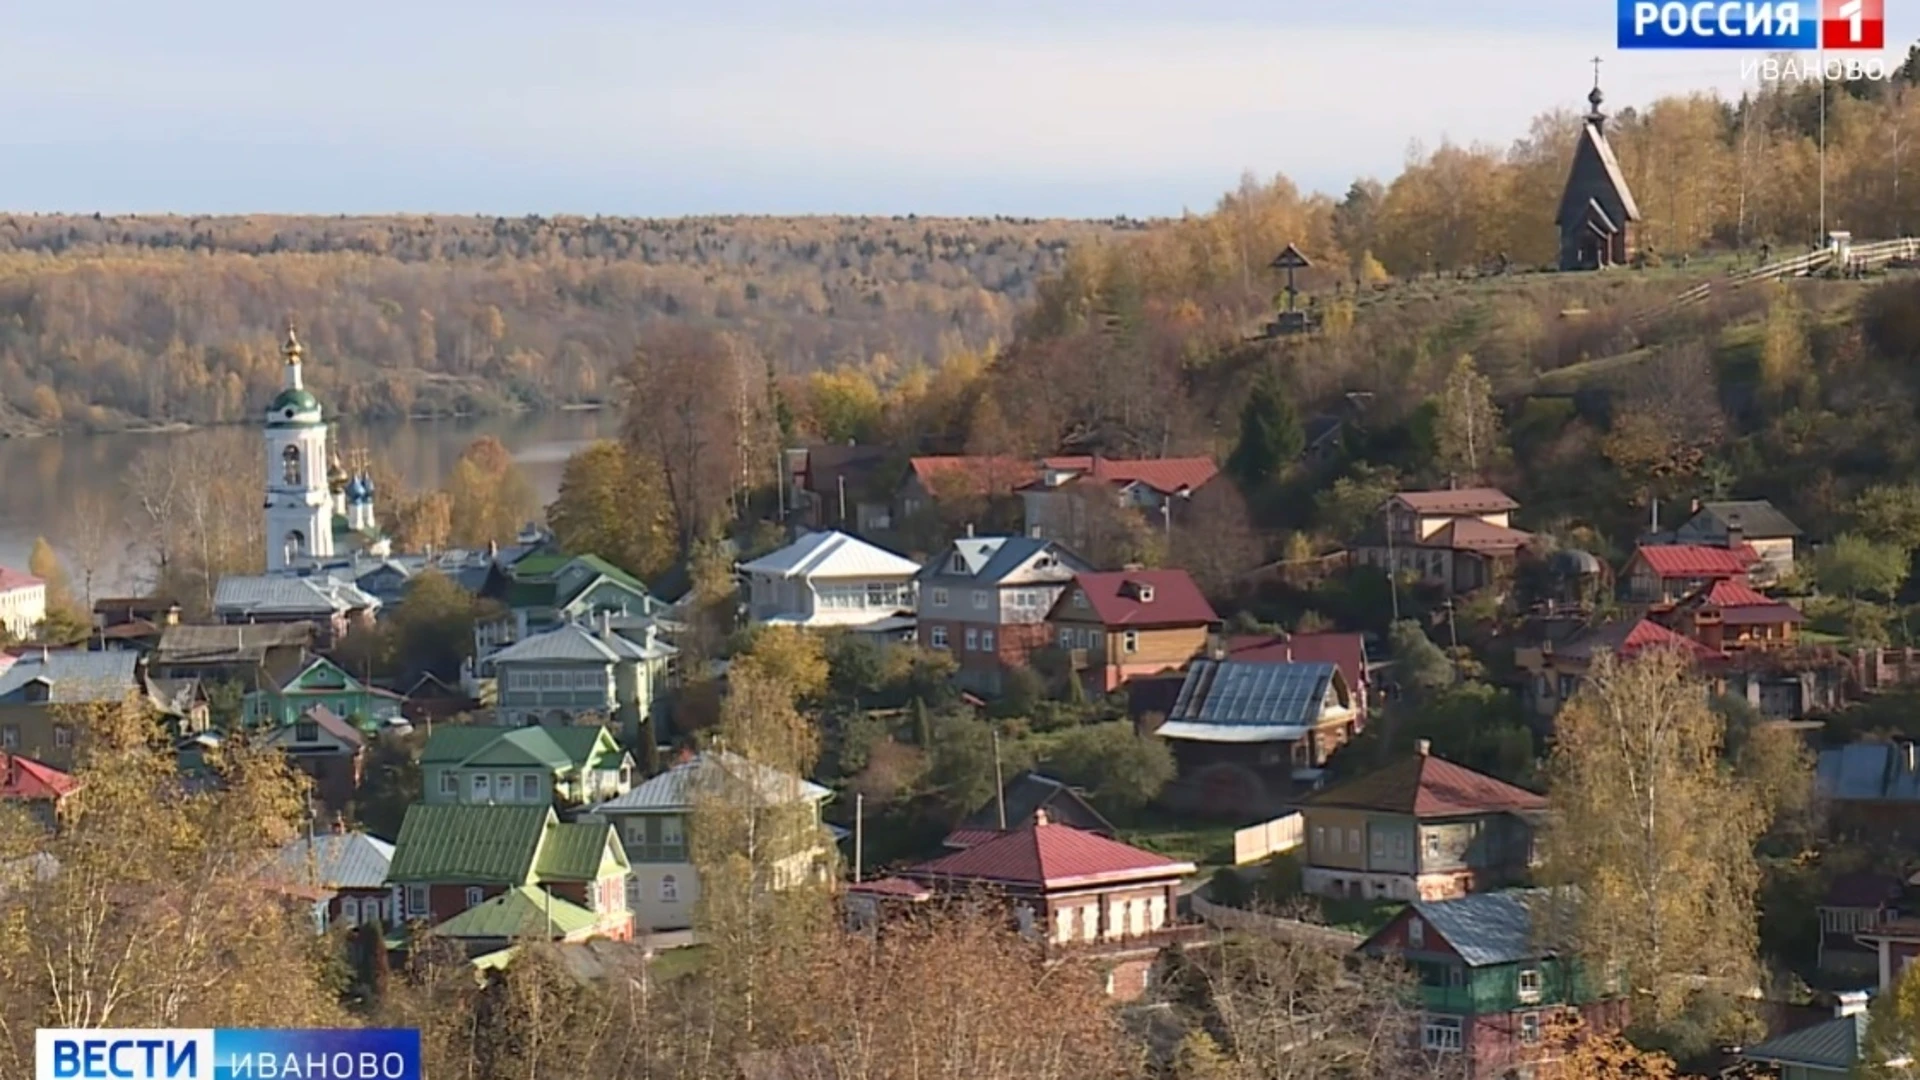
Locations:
(1260, 700)
(1870, 772)
(1491, 928)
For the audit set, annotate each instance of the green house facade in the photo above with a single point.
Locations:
(466, 764)
(1489, 982)
(321, 682)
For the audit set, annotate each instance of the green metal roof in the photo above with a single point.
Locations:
(1832, 1045)
(541, 564)
(451, 744)
(573, 851)
(519, 912)
(468, 845)
(555, 748)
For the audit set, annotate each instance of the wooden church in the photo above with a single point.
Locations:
(1597, 212)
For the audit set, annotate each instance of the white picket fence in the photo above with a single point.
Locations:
(1222, 917)
(1865, 256)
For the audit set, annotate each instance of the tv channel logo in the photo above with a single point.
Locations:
(226, 1054)
(1773, 25)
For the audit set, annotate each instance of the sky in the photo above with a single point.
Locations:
(1081, 108)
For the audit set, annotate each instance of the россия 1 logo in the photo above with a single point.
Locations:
(1753, 24)
(227, 1054)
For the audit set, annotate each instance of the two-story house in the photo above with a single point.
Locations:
(450, 858)
(326, 747)
(1458, 540)
(35, 687)
(23, 602)
(1422, 828)
(533, 766)
(289, 693)
(42, 790)
(1492, 976)
(986, 599)
(245, 654)
(1073, 890)
(560, 675)
(1248, 735)
(330, 605)
(1663, 574)
(1115, 626)
(1732, 615)
(829, 580)
(1756, 523)
(1556, 670)
(546, 589)
(351, 869)
(657, 818)
(1155, 487)
(1853, 904)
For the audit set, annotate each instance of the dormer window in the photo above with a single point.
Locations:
(958, 564)
(306, 731)
(37, 691)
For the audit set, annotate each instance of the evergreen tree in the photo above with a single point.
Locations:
(1270, 436)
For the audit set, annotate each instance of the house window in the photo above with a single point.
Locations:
(939, 598)
(417, 901)
(306, 731)
(1399, 845)
(349, 910)
(1416, 933)
(503, 787)
(481, 791)
(1441, 1033)
(973, 640)
(1319, 839)
(1079, 599)
(530, 787)
(1530, 984)
(986, 640)
(1130, 641)
(1379, 845)
(10, 737)
(1353, 841)
(1066, 637)
(1530, 1028)
(1335, 837)
(980, 599)
(476, 896)
(669, 889)
(937, 637)
(1433, 845)
(449, 782)
(62, 736)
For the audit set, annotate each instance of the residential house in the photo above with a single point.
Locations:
(35, 687)
(1855, 903)
(655, 819)
(289, 693)
(986, 599)
(1248, 735)
(332, 606)
(1492, 978)
(450, 858)
(1348, 652)
(1555, 671)
(829, 580)
(547, 589)
(351, 869)
(516, 915)
(231, 654)
(1665, 574)
(934, 479)
(432, 699)
(532, 766)
(1825, 1051)
(1457, 540)
(41, 789)
(1756, 523)
(328, 748)
(1025, 796)
(23, 602)
(1422, 828)
(132, 622)
(1729, 615)
(842, 487)
(1872, 790)
(571, 672)
(1114, 626)
(1053, 503)
(1075, 891)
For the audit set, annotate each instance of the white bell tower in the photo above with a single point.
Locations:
(299, 505)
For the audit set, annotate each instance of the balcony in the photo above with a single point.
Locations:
(1451, 999)
(1182, 934)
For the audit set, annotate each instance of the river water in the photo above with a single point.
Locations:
(40, 477)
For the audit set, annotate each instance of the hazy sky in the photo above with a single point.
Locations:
(1033, 107)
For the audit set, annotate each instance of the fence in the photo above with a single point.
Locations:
(1863, 256)
(1256, 842)
(1221, 917)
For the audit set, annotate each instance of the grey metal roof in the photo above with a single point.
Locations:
(189, 644)
(1489, 928)
(1759, 520)
(676, 788)
(570, 644)
(1870, 772)
(73, 676)
(1241, 701)
(832, 555)
(285, 594)
(348, 860)
(1833, 1045)
(990, 560)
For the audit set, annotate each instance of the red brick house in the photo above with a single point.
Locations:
(985, 599)
(1127, 623)
(42, 789)
(1074, 890)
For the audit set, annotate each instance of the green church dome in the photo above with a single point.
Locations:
(292, 403)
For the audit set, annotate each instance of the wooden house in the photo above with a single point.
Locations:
(1458, 540)
(327, 748)
(1026, 796)
(41, 789)
(349, 871)
(1249, 735)
(1118, 625)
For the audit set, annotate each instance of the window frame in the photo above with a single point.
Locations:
(476, 896)
(938, 597)
(1130, 641)
(1449, 1030)
(1527, 984)
(937, 637)
(419, 901)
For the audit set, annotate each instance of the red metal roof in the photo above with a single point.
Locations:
(1045, 855)
(1741, 605)
(1647, 634)
(1460, 501)
(1428, 787)
(11, 579)
(1112, 595)
(891, 887)
(1348, 652)
(1472, 534)
(1165, 475)
(24, 778)
(957, 474)
(1697, 560)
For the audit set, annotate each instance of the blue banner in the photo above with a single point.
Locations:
(227, 1054)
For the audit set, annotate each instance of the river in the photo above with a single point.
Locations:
(39, 477)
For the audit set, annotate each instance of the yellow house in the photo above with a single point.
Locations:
(1115, 626)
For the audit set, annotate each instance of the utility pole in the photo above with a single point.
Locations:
(999, 786)
(1822, 238)
(1393, 576)
(843, 498)
(859, 831)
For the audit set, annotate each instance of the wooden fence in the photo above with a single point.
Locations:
(1221, 917)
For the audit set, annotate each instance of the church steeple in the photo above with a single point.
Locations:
(293, 352)
(299, 506)
(1594, 97)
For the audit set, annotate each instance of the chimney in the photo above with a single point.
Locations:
(1424, 747)
(1736, 535)
(1041, 817)
(1850, 1003)
(1696, 506)
(339, 825)
(652, 632)
(1913, 756)
(969, 530)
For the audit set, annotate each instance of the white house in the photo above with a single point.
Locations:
(655, 821)
(832, 580)
(560, 675)
(23, 602)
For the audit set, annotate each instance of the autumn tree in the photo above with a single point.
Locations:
(1854, 566)
(1469, 428)
(95, 533)
(694, 405)
(432, 626)
(787, 656)
(489, 499)
(1657, 837)
(612, 504)
(1892, 1049)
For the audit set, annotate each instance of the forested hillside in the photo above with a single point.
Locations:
(107, 321)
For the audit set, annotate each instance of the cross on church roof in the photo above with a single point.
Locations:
(1596, 73)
